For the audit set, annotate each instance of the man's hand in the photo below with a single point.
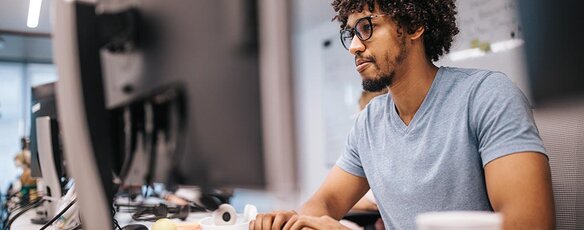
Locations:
(327, 202)
(289, 220)
(273, 220)
(300, 222)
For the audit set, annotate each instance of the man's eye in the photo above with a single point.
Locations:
(367, 27)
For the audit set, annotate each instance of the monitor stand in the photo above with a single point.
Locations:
(50, 184)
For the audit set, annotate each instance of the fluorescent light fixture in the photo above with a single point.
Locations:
(506, 45)
(466, 54)
(496, 47)
(34, 12)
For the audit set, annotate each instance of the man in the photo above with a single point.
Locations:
(442, 139)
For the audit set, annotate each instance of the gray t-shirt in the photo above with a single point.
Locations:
(468, 118)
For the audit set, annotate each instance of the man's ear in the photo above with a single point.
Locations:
(418, 33)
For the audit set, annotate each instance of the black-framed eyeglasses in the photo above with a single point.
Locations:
(363, 29)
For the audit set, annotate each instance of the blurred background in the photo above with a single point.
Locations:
(26, 60)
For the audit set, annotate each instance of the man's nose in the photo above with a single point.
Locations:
(356, 45)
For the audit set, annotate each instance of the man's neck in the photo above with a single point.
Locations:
(410, 87)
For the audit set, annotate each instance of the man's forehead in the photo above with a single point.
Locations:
(353, 17)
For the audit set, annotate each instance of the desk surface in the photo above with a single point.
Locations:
(23, 222)
(126, 218)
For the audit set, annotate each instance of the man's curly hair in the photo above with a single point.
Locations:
(436, 16)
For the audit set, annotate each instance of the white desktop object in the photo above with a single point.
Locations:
(51, 183)
(235, 222)
(70, 218)
(225, 215)
(460, 220)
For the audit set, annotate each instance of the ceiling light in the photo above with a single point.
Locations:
(34, 12)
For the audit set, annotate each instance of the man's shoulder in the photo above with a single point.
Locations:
(476, 79)
(375, 109)
(379, 101)
(469, 73)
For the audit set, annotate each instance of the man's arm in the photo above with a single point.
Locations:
(519, 186)
(338, 193)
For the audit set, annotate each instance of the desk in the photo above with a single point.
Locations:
(23, 221)
(126, 218)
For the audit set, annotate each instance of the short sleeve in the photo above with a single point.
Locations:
(502, 119)
(349, 160)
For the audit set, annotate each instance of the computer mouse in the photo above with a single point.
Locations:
(135, 227)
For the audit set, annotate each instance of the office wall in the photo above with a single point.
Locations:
(309, 75)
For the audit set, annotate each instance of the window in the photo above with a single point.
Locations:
(16, 80)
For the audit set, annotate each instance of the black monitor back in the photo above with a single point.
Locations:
(44, 105)
(553, 39)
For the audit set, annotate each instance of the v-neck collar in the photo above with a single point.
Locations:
(399, 123)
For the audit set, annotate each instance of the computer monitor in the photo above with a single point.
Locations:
(553, 42)
(44, 104)
(47, 161)
(213, 74)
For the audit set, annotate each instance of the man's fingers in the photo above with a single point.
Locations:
(305, 221)
(257, 225)
(279, 221)
(267, 221)
(311, 222)
(290, 222)
(271, 221)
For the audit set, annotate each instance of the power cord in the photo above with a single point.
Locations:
(116, 224)
(33, 202)
(59, 215)
(23, 209)
(154, 213)
(10, 203)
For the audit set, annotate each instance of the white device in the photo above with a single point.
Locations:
(51, 183)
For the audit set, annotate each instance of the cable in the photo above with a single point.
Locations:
(37, 202)
(114, 219)
(9, 196)
(33, 202)
(10, 200)
(24, 209)
(58, 215)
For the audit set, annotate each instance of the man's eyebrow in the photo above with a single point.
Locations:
(351, 27)
(347, 26)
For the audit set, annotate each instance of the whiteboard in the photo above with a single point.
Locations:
(486, 21)
(494, 27)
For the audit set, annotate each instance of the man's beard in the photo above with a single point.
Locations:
(378, 84)
(385, 80)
